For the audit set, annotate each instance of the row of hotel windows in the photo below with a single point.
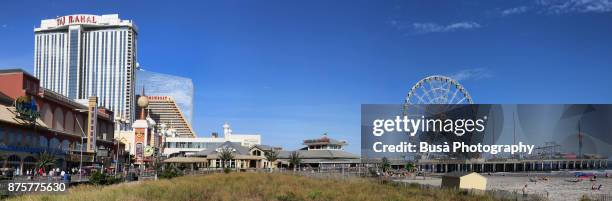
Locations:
(105, 66)
(200, 145)
(50, 52)
(15, 137)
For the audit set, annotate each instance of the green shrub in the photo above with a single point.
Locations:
(290, 196)
(169, 171)
(315, 195)
(98, 178)
(227, 170)
(113, 180)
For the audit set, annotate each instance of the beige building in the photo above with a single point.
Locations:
(186, 146)
(244, 157)
(324, 153)
(464, 180)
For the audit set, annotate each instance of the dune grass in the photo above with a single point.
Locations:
(254, 187)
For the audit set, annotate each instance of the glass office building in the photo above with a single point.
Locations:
(159, 84)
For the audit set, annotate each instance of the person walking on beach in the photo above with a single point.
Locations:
(596, 188)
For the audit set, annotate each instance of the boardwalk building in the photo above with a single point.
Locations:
(34, 120)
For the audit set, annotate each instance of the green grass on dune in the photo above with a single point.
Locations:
(254, 187)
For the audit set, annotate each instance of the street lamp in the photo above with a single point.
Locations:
(129, 157)
(83, 136)
(81, 151)
(117, 158)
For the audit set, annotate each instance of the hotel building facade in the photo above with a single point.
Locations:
(34, 120)
(166, 113)
(80, 56)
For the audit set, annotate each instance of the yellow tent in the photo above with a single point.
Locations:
(464, 180)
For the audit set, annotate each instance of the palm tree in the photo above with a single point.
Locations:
(385, 164)
(410, 167)
(271, 156)
(225, 154)
(294, 159)
(45, 159)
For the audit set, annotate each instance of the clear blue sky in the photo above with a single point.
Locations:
(291, 70)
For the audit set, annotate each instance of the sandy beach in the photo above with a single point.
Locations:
(556, 187)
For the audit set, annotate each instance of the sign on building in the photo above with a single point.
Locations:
(92, 122)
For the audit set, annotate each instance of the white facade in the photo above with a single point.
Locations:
(177, 144)
(80, 56)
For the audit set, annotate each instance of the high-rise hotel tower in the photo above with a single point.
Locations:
(89, 55)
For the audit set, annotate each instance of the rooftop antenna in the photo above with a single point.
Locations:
(579, 140)
(513, 129)
(493, 136)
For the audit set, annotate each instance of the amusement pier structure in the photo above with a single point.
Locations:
(448, 93)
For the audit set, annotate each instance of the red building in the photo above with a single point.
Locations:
(40, 120)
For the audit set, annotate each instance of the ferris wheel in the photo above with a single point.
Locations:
(434, 96)
(438, 89)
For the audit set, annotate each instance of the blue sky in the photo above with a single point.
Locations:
(291, 70)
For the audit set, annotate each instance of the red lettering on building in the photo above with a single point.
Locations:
(76, 19)
(61, 21)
